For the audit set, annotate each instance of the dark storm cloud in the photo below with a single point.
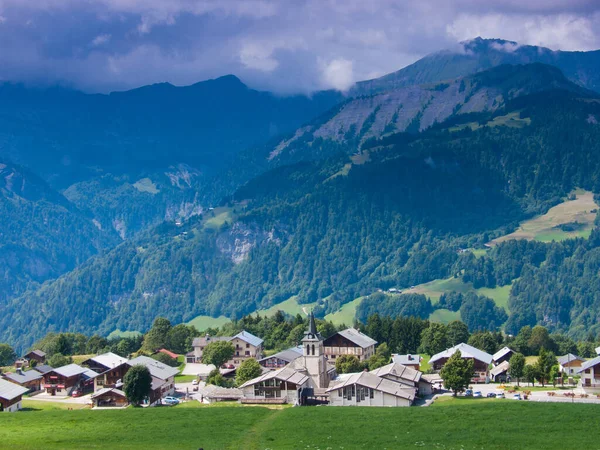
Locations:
(285, 45)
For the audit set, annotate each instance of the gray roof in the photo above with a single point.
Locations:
(39, 353)
(43, 368)
(156, 368)
(400, 371)
(500, 368)
(23, 376)
(569, 357)
(249, 338)
(72, 370)
(203, 341)
(9, 391)
(590, 363)
(360, 339)
(109, 360)
(501, 353)
(288, 355)
(217, 392)
(284, 374)
(369, 380)
(107, 390)
(466, 350)
(406, 360)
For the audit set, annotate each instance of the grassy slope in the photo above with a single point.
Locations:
(450, 424)
(203, 322)
(290, 306)
(544, 228)
(346, 314)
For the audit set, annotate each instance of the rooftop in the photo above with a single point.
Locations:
(249, 338)
(23, 376)
(398, 370)
(569, 357)
(72, 370)
(590, 363)
(368, 379)
(10, 391)
(500, 368)
(109, 360)
(39, 353)
(43, 368)
(466, 350)
(288, 355)
(107, 390)
(284, 374)
(406, 359)
(355, 336)
(501, 353)
(156, 368)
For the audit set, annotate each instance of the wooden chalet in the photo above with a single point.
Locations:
(109, 398)
(481, 360)
(36, 355)
(63, 380)
(11, 395)
(349, 342)
(29, 379)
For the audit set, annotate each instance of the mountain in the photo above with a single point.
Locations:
(481, 54)
(42, 234)
(339, 225)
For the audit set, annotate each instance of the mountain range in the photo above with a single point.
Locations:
(216, 199)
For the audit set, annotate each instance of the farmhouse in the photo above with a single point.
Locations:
(412, 361)
(30, 379)
(590, 374)
(406, 376)
(43, 368)
(570, 364)
(68, 378)
(499, 374)
(480, 359)
(278, 386)
(246, 346)
(281, 359)
(36, 355)
(163, 376)
(367, 389)
(504, 354)
(109, 398)
(102, 363)
(10, 396)
(349, 342)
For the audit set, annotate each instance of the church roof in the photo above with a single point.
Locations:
(312, 332)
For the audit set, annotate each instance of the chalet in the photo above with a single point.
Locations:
(281, 359)
(480, 359)
(214, 394)
(412, 361)
(406, 376)
(163, 376)
(11, 395)
(102, 363)
(590, 374)
(367, 389)
(68, 378)
(246, 346)
(504, 354)
(349, 342)
(109, 398)
(499, 373)
(302, 381)
(29, 379)
(570, 364)
(36, 355)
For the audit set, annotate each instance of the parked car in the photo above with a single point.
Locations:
(500, 395)
(76, 393)
(477, 394)
(195, 382)
(469, 393)
(516, 397)
(170, 401)
(491, 395)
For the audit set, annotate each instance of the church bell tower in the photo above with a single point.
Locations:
(314, 355)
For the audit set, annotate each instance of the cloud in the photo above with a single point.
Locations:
(293, 46)
(338, 74)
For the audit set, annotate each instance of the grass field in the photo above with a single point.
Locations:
(203, 322)
(346, 314)
(123, 334)
(444, 316)
(547, 228)
(448, 424)
(290, 306)
(218, 217)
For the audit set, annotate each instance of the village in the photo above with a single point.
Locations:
(303, 375)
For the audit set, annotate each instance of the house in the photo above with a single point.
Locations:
(570, 364)
(213, 394)
(590, 374)
(367, 389)
(102, 363)
(109, 398)
(43, 368)
(36, 355)
(30, 379)
(412, 361)
(11, 395)
(68, 378)
(504, 354)
(281, 359)
(406, 376)
(245, 345)
(499, 374)
(302, 381)
(349, 342)
(480, 359)
(163, 376)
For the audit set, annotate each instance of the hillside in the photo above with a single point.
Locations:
(481, 54)
(335, 229)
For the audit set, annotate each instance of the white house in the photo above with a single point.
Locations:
(367, 389)
(504, 354)
(590, 374)
(10, 396)
(570, 363)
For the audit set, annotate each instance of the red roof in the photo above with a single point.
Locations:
(167, 352)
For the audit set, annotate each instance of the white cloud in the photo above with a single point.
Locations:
(2, 19)
(258, 57)
(101, 39)
(338, 74)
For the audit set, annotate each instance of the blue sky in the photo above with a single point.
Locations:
(286, 46)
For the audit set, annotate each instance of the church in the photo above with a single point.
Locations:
(304, 381)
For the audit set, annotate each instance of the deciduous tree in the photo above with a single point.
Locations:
(137, 384)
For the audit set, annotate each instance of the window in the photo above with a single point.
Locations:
(371, 392)
(339, 393)
(587, 370)
(313, 349)
(247, 353)
(247, 345)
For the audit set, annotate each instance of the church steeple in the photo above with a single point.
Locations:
(314, 355)
(312, 333)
